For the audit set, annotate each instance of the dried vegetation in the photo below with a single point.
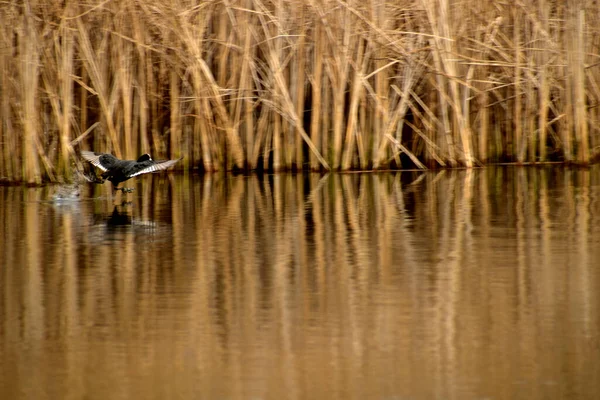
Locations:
(290, 85)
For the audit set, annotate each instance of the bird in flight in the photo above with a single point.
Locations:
(118, 171)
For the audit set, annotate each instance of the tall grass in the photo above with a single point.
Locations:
(288, 85)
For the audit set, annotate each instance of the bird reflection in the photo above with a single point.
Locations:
(119, 218)
(121, 223)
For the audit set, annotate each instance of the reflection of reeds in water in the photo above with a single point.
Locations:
(291, 85)
(339, 286)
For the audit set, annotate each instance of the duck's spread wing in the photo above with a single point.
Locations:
(156, 166)
(93, 158)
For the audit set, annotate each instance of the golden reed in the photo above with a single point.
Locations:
(290, 85)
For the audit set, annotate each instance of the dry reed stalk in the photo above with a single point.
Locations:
(578, 76)
(526, 102)
(155, 76)
(140, 36)
(242, 104)
(194, 24)
(326, 117)
(162, 77)
(82, 115)
(337, 68)
(135, 120)
(518, 104)
(224, 37)
(277, 142)
(267, 145)
(531, 107)
(136, 97)
(356, 92)
(404, 150)
(543, 81)
(593, 115)
(175, 131)
(483, 97)
(284, 95)
(445, 135)
(466, 102)
(396, 122)
(316, 86)
(544, 98)
(125, 78)
(7, 137)
(407, 84)
(484, 122)
(143, 108)
(67, 51)
(207, 131)
(363, 135)
(277, 71)
(299, 78)
(428, 116)
(381, 118)
(432, 148)
(461, 116)
(382, 79)
(51, 58)
(444, 44)
(8, 166)
(246, 82)
(383, 109)
(150, 70)
(29, 75)
(260, 138)
(191, 35)
(339, 87)
(262, 55)
(95, 64)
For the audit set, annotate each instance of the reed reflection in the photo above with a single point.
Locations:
(451, 284)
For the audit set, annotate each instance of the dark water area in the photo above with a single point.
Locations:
(471, 284)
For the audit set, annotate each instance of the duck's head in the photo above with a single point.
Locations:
(144, 157)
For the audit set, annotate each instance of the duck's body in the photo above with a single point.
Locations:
(118, 171)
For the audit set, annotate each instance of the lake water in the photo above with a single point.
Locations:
(469, 284)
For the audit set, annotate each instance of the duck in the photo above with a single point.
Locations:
(117, 171)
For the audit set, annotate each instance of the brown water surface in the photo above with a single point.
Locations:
(477, 284)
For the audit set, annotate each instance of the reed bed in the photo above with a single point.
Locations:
(293, 85)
